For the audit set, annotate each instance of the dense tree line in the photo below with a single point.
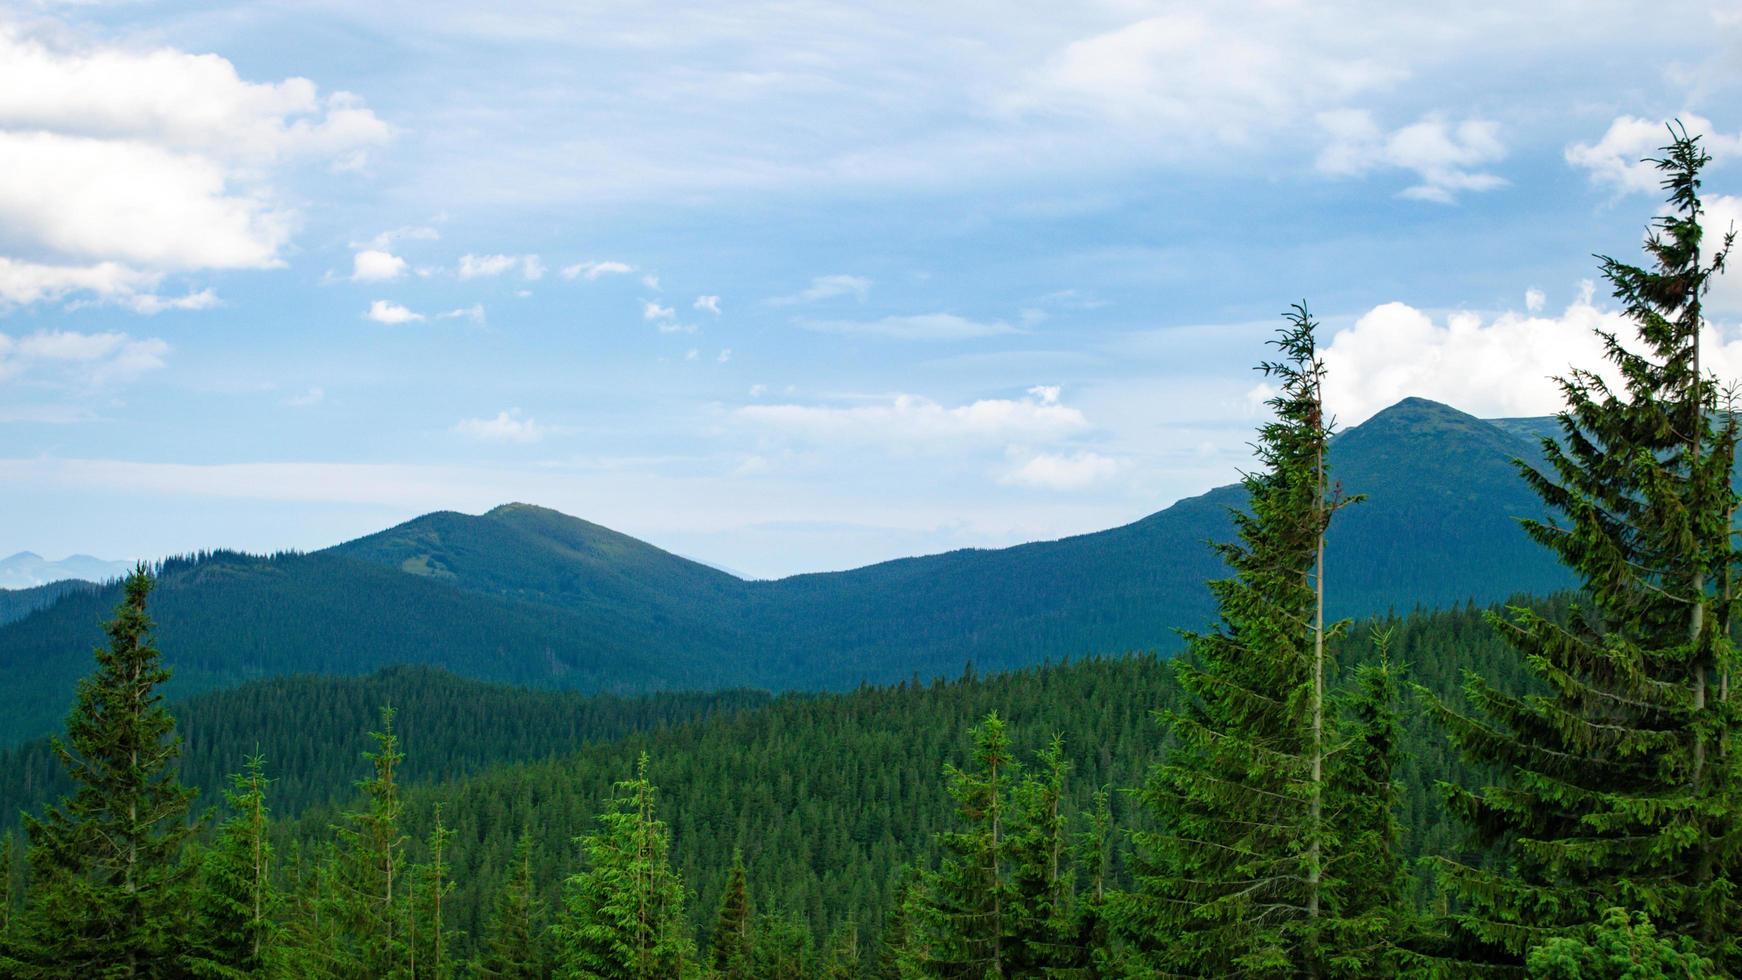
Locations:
(1267, 834)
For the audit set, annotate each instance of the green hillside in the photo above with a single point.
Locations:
(526, 595)
(838, 791)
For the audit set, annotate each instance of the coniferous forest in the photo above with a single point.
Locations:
(1540, 788)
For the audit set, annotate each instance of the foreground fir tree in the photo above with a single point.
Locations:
(109, 891)
(1043, 934)
(1234, 879)
(1621, 947)
(729, 946)
(1370, 911)
(514, 946)
(963, 926)
(363, 915)
(1617, 770)
(623, 917)
(236, 927)
(430, 942)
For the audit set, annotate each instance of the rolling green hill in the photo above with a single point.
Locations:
(529, 596)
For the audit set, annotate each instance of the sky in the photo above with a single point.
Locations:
(794, 286)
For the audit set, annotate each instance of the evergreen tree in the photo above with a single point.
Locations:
(780, 948)
(842, 956)
(108, 889)
(430, 941)
(623, 917)
(1041, 933)
(899, 944)
(236, 906)
(730, 943)
(365, 882)
(8, 884)
(514, 936)
(963, 926)
(1234, 881)
(1368, 905)
(1621, 947)
(1617, 783)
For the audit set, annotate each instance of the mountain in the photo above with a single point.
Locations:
(15, 604)
(27, 569)
(526, 595)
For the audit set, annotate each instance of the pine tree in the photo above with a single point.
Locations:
(1617, 779)
(8, 884)
(108, 889)
(365, 881)
(1620, 947)
(514, 936)
(1234, 880)
(899, 944)
(780, 948)
(730, 943)
(623, 917)
(1367, 907)
(1041, 939)
(963, 923)
(842, 957)
(430, 942)
(236, 906)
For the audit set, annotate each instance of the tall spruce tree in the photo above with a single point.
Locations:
(729, 944)
(1234, 878)
(1368, 909)
(623, 917)
(514, 947)
(109, 891)
(1042, 939)
(365, 882)
(430, 941)
(236, 928)
(1617, 784)
(964, 922)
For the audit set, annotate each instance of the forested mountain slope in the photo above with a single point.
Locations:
(529, 596)
(827, 795)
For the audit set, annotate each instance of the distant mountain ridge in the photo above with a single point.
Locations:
(527, 595)
(27, 569)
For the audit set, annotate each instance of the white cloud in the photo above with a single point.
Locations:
(474, 313)
(1048, 394)
(1074, 471)
(923, 326)
(827, 287)
(375, 265)
(651, 310)
(119, 165)
(1202, 77)
(593, 270)
(650, 280)
(725, 355)
(692, 354)
(80, 359)
(391, 313)
(1618, 159)
(757, 391)
(1446, 158)
(1534, 300)
(1723, 215)
(507, 426)
(1490, 367)
(490, 266)
(308, 399)
(709, 304)
(912, 422)
(406, 233)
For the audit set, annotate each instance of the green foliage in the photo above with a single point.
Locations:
(1617, 782)
(1621, 947)
(514, 939)
(364, 882)
(623, 916)
(430, 939)
(729, 943)
(1232, 880)
(108, 888)
(237, 928)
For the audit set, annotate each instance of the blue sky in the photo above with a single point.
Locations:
(785, 287)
